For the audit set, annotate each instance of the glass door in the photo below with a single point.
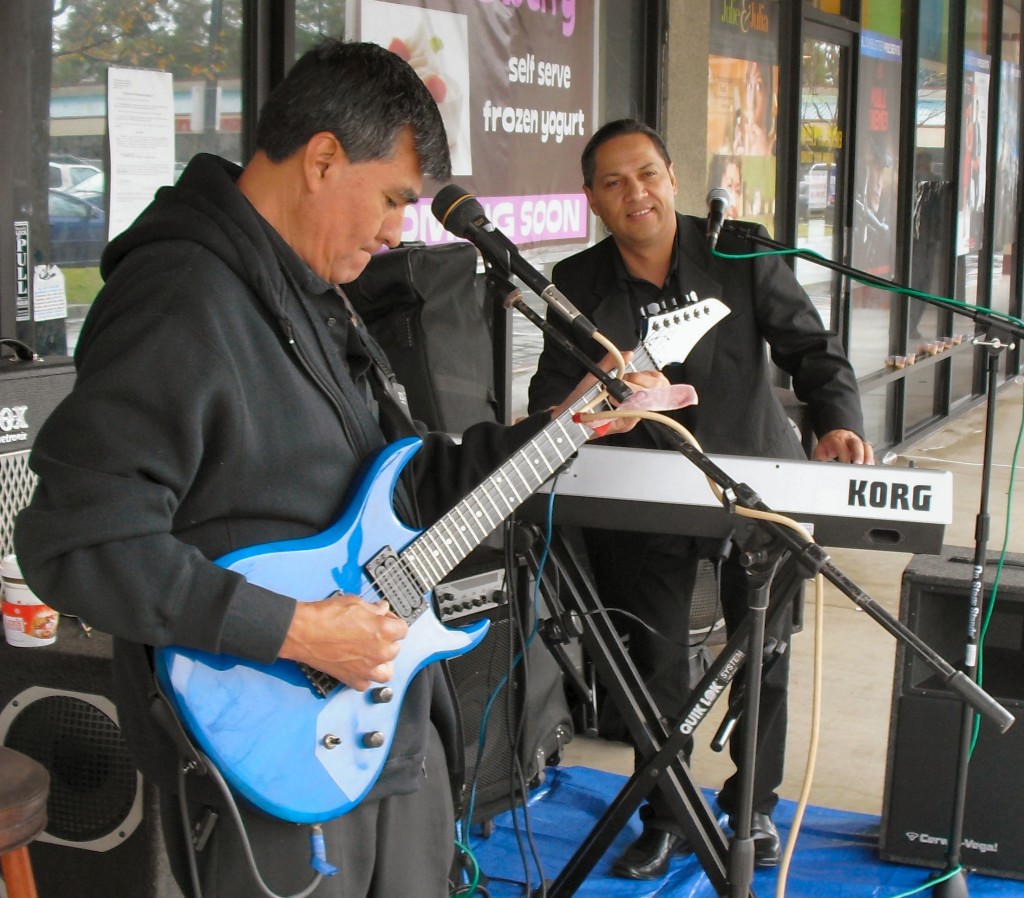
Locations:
(820, 201)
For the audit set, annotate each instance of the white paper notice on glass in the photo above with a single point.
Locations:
(49, 299)
(140, 122)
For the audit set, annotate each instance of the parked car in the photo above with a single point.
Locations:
(78, 230)
(91, 189)
(67, 174)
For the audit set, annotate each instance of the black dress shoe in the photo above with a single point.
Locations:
(767, 845)
(648, 856)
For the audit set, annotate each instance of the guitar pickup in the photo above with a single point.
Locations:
(392, 579)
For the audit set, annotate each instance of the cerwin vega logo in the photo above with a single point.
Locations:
(13, 424)
(897, 496)
(929, 839)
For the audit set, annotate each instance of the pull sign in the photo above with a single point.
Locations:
(23, 273)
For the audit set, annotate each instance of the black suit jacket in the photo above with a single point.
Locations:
(738, 411)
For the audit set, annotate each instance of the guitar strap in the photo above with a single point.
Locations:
(394, 415)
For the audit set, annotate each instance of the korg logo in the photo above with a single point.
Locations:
(898, 496)
(13, 424)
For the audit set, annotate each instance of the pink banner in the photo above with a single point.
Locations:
(523, 219)
(514, 80)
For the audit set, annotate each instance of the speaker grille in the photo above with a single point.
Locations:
(16, 485)
(95, 797)
(485, 690)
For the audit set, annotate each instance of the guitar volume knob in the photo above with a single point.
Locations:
(373, 739)
(382, 695)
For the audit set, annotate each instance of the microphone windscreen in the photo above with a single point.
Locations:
(721, 194)
(456, 208)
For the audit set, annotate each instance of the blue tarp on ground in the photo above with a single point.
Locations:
(836, 854)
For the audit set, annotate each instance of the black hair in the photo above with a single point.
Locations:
(618, 128)
(364, 95)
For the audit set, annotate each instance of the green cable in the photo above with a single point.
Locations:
(465, 849)
(892, 288)
(931, 882)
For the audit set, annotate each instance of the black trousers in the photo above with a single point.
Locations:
(652, 576)
(402, 845)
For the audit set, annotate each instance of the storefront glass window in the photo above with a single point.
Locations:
(1007, 161)
(874, 220)
(823, 92)
(934, 199)
(316, 19)
(185, 59)
(976, 106)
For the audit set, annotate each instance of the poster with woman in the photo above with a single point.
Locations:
(515, 85)
(743, 80)
(873, 246)
(974, 127)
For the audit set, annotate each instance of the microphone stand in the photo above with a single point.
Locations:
(762, 561)
(951, 882)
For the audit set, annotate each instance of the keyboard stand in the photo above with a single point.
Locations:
(660, 746)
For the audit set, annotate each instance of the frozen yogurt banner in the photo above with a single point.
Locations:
(514, 80)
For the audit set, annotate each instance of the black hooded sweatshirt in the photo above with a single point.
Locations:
(222, 400)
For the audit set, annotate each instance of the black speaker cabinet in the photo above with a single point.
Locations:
(512, 703)
(103, 834)
(924, 732)
(29, 392)
(421, 305)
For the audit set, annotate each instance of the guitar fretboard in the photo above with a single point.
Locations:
(440, 548)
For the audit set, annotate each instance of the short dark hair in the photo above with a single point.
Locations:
(364, 95)
(618, 128)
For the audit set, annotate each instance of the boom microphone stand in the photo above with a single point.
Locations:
(951, 882)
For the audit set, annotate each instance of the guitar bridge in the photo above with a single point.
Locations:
(323, 683)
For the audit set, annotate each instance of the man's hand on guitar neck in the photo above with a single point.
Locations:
(349, 639)
(637, 380)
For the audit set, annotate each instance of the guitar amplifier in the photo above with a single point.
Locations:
(29, 391)
(515, 715)
(103, 834)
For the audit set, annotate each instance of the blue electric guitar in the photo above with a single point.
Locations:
(297, 743)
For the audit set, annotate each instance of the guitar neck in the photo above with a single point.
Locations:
(437, 551)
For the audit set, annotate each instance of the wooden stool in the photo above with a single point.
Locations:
(24, 787)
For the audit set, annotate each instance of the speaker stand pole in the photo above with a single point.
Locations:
(953, 880)
(496, 289)
(760, 561)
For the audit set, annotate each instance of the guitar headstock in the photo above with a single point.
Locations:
(670, 336)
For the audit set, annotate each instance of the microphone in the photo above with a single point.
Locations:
(719, 199)
(461, 213)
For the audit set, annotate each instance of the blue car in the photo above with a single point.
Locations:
(78, 230)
